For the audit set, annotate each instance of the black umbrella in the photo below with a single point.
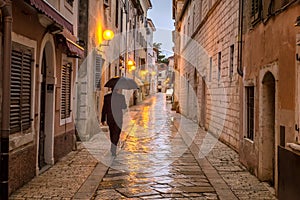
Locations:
(121, 83)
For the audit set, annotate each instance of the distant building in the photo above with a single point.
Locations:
(162, 77)
(151, 59)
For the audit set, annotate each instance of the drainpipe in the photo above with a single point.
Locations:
(240, 39)
(6, 11)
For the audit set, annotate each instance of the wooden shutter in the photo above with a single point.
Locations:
(20, 106)
(98, 69)
(66, 73)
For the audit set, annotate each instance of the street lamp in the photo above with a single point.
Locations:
(107, 35)
(131, 65)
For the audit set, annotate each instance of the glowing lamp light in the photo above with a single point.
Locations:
(108, 35)
(132, 68)
(130, 63)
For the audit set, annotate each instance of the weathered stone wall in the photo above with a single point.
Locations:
(215, 29)
(21, 166)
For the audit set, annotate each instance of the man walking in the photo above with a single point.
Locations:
(112, 113)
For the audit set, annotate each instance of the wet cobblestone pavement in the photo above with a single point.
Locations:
(158, 158)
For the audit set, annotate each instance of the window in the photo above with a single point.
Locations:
(250, 112)
(117, 13)
(70, 2)
(255, 10)
(98, 69)
(210, 68)
(193, 23)
(188, 27)
(284, 2)
(231, 58)
(116, 70)
(66, 74)
(106, 3)
(20, 105)
(219, 65)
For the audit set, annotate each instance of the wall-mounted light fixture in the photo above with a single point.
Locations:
(107, 35)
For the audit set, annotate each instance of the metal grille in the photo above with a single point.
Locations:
(66, 90)
(20, 106)
(250, 111)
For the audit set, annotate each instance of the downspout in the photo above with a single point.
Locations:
(240, 39)
(6, 12)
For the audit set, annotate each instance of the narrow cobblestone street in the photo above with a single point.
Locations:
(158, 158)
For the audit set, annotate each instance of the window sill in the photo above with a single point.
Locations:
(248, 140)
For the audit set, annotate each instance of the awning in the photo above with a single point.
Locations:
(72, 48)
(44, 7)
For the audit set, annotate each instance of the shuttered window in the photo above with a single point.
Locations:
(20, 105)
(250, 111)
(98, 69)
(66, 73)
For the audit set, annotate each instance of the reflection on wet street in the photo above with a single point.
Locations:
(154, 161)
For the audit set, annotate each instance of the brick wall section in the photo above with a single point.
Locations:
(63, 144)
(21, 167)
(217, 32)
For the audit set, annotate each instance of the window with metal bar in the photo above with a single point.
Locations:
(255, 10)
(20, 94)
(66, 74)
(250, 112)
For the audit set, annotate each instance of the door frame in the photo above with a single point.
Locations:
(49, 46)
(273, 69)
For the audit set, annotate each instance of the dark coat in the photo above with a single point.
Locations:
(112, 109)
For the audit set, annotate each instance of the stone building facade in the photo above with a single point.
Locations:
(239, 61)
(43, 64)
(206, 41)
(270, 92)
(107, 59)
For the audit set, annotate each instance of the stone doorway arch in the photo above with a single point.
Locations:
(267, 152)
(47, 81)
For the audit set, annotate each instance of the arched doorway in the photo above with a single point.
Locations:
(267, 129)
(47, 102)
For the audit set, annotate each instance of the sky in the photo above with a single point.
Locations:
(161, 15)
